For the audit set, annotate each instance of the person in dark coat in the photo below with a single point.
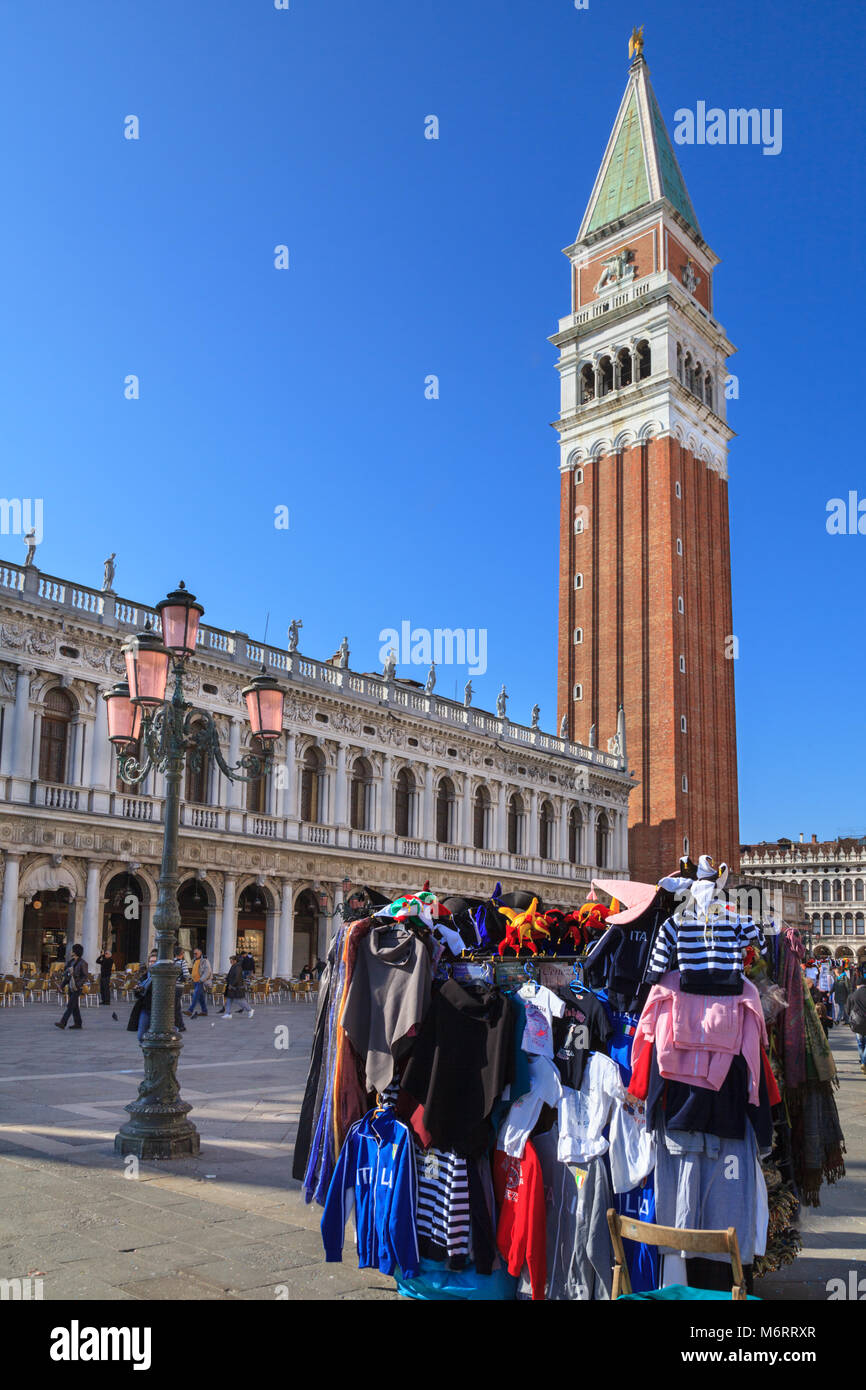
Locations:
(106, 965)
(139, 1018)
(236, 990)
(74, 978)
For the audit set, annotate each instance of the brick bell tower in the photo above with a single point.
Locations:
(645, 571)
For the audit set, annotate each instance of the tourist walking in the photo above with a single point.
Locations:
(855, 1012)
(235, 989)
(106, 965)
(74, 978)
(841, 990)
(202, 974)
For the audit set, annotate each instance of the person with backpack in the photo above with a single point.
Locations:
(855, 1011)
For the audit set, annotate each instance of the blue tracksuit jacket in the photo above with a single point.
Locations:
(376, 1174)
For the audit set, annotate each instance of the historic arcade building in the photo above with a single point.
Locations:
(375, 784)
(832, 879)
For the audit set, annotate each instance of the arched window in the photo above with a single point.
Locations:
(849, 923)
(688, 373)
(825, 891)
(698, 381)
(623, 366)
(257, 792)
(586, 384)
(404, 804)
(545, 831)
(480, 818)
(680, 361)
(54, 740)
(644, 360)
(197, 787)
(312, 786)
(837, 924)
(837, 890)
(445, 802)
(575, 835)
(361, 795)
(515, 824)
(849, 891)
(605, 368)
(602, 840)
(858, 891)
(709, 394)
(816, 891)
(860, 926)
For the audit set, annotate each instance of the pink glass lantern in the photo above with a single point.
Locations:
(124, 718)
(146, 669)
(180, 616)
(264, 699)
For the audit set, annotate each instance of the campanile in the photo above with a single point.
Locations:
(645, 572)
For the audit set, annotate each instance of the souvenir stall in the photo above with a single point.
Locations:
(489, 1079)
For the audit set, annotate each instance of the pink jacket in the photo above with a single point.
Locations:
(696, 1035)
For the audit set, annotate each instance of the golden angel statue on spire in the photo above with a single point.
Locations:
(635, 43)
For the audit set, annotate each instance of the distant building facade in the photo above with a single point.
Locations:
(376, 784)
(831, 875)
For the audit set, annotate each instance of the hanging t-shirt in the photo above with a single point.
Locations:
(584, 1114)
(521, 1235)
(542, 1007)
(582, 1027)
(545, 1089)
(632, 1145)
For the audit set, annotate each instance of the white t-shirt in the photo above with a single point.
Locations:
(542, 1007)
(545, 1088)
(583, 1114)
(632, 1146)
(602, 1101)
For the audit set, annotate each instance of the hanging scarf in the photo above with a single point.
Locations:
(793, 1048)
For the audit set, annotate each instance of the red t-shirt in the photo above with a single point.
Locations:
(521, 1236)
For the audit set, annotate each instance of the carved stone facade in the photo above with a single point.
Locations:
(483, 799)
(832, 878)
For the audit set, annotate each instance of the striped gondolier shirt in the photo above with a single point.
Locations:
(708, 954)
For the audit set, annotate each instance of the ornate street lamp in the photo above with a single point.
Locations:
(170, 731)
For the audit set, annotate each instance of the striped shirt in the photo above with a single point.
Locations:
(715, 947)
(443, 1220)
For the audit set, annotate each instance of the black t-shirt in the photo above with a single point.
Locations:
(460, 1063)
(583, 1028)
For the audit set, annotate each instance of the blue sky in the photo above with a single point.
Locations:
(410, 257)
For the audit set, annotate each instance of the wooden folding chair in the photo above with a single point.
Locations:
(694, 1242)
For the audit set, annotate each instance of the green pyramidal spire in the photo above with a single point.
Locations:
(639, 164)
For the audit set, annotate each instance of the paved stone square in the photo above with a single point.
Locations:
(232, 1224)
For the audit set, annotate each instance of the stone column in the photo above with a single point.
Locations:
(286, 931)
(427, 827)
(500, 841)
(22, 752)
(464, 834)
(91, 924)
(9, 914)
(8, 749)
(340, 790)
(563, 831)
(290, 792)
(532, 837)
(228, 923)
(101, 754)
(324, 935)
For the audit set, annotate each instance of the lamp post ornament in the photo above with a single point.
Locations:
(151, 730)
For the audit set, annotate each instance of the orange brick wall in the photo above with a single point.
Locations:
(634, 636)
